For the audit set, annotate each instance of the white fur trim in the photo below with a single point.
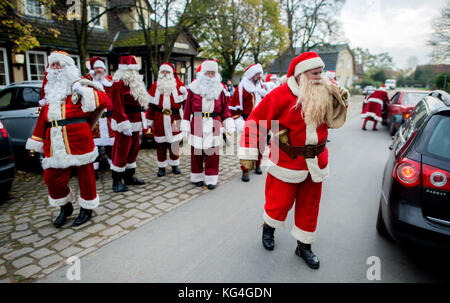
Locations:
(96, 165)
(69, 160)
(197, 177)
(373, 115)
(211, 179)
(293, 85)
(286, 174)
(162, 164)
(272, 222)
(185, 126)
(252, 71)
(166, 67)
(99, 63)
(35, 145)
(86, 82)
(130, 165)
(61, 201)
(120, 127)
(305, 237)
(150, 123)
(307, 65)
(61, 58)
(245, 153)
(229, 125)
(88, 100)
(117, 168)
(375, 100)
(205, 142)
(174, 162)
(239, 124)
(89, 204)
(105, 139)
(129, 67)
(317, 174)
(164, 139)
(210, 66)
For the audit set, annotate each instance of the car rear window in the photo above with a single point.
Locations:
(437, 137)
(413, 98)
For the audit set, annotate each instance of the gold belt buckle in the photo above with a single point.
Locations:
(167, 112)
(54, 123)
(207, 115)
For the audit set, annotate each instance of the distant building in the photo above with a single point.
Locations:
(336, 57)
(435, 68)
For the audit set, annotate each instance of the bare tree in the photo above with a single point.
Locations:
(440, 39)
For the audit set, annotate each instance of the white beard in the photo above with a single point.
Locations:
(209, 86)
(166, 84)
(134, 80)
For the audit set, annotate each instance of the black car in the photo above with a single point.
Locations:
(7, 166)
(415, 197)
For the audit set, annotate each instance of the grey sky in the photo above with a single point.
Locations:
(399, 27)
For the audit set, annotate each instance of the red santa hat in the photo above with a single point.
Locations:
(128, 63)
(304, 62)
(331, 74)
(170, 68)
(252, 70)
(97, 62)
(270, 77)
(60, 56)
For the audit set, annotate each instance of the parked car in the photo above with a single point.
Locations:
(415, 197)
(7, 165)
(400, 106)
(391, 83)
(19, 110)
(369, 90)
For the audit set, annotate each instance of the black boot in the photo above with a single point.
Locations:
(268, 239)
(245, 176)
(66, 211)
(161, 172)
(258, 170)
(83, 217)
(304, 251)
(118, 185)
(211, 186)
(130, 179)
(199, 183)
(176, 170)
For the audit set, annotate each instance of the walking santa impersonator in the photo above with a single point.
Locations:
(299, 113)
(103, 134)
(167, 95)
(130, 101)
(271, 82)
(63, 133)
(246, 97)
(206, 106)
(374, 106)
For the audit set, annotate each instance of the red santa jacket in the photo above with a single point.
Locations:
(374, 105)
(278, 106)
(247, 104)
(166, 127)
(72, 144)
(205, 131)
(127, 111)
(107, 87)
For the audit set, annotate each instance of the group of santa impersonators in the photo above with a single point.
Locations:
(80, 114)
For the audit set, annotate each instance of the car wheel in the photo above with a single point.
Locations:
(5, 188)
(381, 227)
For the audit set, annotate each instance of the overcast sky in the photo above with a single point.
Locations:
(399, 27)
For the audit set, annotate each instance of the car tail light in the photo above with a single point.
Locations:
(436, 178)
(3, 131)
(406, 115)
(407, 172)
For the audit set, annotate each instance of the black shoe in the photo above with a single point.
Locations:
(268, 239)
(304, 251)
(83, 217)
(245, 176)
(258, 170)
(130, 179)
(66, 211)
(211, 186)
(161, 172)
(118, 185)
(199, 183)
(176, 170)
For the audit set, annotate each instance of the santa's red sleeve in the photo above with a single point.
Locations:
(235, 104)
(36, 142)
(119, 121)
(257, 125)
(187, 110)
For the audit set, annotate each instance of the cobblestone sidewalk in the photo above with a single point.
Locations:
(31, 248)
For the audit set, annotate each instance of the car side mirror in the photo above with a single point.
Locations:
(391, 147)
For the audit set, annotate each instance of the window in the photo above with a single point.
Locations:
(4, 70)
(30, 97)
(413, 98)
(439, 144)
(95, 10)
(6, 98)
(36, 63)
(34, 8)
(394, 99)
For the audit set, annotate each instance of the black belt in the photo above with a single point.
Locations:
(165, 111)
(107, 114)
(307, 151)
(133, 109)
(205, 115)
(56, 123)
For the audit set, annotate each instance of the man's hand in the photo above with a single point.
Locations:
(248, 164)
(128, 132)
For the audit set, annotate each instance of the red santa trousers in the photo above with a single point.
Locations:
(174, 154)
(211, 158)
(281, 196)
(125, 151)
(57, 180)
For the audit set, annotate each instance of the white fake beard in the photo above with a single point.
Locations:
(209, 86)
(315, 96)
(99, 77)
(135, 81)
(166, 83)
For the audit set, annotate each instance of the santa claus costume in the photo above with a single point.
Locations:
(271, 82)
(63, 134)
(103, 134)
(246, 97)
(167, 95)
(206, 106)
(130, 101)
(299, 113)
(374, 106)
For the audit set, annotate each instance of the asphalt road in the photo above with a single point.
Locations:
(217, 237)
